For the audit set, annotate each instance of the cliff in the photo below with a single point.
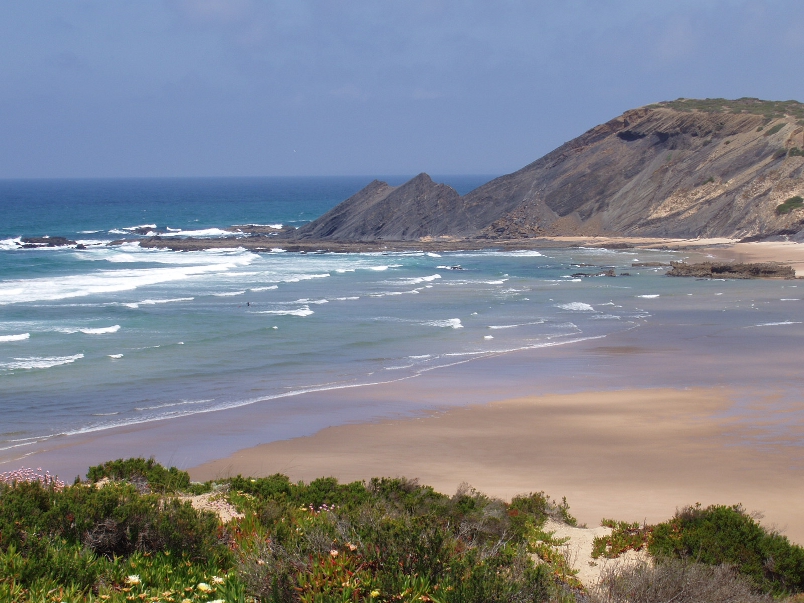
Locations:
(685, 168)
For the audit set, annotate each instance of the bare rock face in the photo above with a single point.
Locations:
(662, 170)
(685, 168)
(417, 209)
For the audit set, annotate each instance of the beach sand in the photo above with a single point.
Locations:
(632, 427)
(633, 455)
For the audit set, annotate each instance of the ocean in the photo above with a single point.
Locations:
(109, 336)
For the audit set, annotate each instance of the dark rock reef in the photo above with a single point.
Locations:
(34, 242)
(736, 271)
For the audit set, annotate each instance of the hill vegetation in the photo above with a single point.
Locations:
(133, 532)
(768, 109)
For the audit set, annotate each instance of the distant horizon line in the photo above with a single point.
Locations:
(375, 176)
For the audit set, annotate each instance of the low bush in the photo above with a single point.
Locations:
(387, 540)
(719, 535)
(789, 205)
(624, 537)
(677, 581)
(774, 129)
(147, 475)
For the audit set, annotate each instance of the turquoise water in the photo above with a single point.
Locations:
(117, 335)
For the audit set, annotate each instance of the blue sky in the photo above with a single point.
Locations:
(100, 88)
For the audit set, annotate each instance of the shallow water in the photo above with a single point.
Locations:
(113, 336)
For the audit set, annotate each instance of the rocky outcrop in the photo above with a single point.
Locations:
(737, 271)
(419, 208)
(684, 168)
(34, 242)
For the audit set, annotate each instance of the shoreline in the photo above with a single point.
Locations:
(655, 358)
(634, 455)
(724, 249)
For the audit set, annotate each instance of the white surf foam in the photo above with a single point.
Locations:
(152, 302)
(204, 232)
(229, 294)
(87, 330)
(419, 279)
(514, 326)
(454, 323)
(775, 324)
(255, 289)
(296, 278)
(115, 356)
(100, 282)
(432, 255)
(39, 362)
(652, 296)
(9, 244)
(576, 307)
(140, 226)
(20, 337)
(101, 330)
(303, 311)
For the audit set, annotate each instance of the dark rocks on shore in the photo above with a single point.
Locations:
(736, 271)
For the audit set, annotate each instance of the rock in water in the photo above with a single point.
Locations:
(742, 271)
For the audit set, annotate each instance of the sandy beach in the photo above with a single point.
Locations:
(629, 427)
(634, 454)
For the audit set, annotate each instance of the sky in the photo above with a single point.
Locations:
(155, 88)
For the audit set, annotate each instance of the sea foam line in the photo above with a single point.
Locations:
(20, 337)
(39, 362)
(89, 331)
(303, 311)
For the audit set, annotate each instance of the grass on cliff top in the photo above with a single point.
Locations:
(768, 109)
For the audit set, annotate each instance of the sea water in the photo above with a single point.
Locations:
(114, 335)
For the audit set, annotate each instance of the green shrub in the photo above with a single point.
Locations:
(774, 129)
(795, 152)
(718, 535)
(624, 537)
(142, 473)
(789, 205)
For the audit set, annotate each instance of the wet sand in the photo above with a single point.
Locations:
(630, 427)
(632, 454)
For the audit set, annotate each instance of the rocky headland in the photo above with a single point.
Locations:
(679, 169)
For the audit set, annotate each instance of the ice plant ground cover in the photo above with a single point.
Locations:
(124, 534)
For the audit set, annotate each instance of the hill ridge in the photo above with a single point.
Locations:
(685, 168)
